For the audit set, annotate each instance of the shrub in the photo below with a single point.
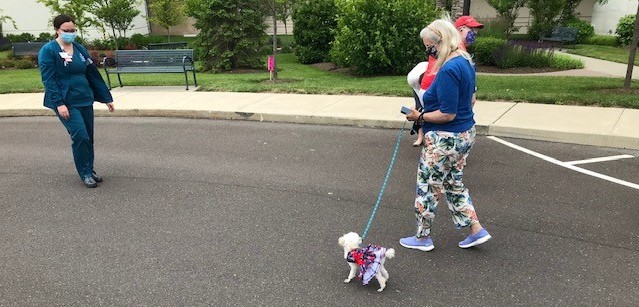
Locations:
(564, 62)
(102, 44)
(24, 64)
(484, 48)
(586, 30)
(315, 25)
(380, 36)
(603, 40)
(494, 28)
(545, 15)
(45, 37)
(7, 63)
(625, 29)
(20, 38)
(231, 32)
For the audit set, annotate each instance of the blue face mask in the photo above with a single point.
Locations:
(68, 37)
(471, 36)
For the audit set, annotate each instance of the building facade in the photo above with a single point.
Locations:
(34, 17)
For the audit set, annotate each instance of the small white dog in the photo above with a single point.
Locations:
(369, 259)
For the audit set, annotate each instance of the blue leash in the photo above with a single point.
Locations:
(388, 172)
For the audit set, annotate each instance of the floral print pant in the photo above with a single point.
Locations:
(441, 166)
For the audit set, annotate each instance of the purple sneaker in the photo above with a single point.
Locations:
(422, 244)
(476, 239)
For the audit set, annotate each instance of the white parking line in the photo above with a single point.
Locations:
(601, 159)
(566, 165)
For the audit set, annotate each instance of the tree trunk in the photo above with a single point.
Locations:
(457, 9)
(274, 71)
(633, 53)
(440, 4)
(115, 37)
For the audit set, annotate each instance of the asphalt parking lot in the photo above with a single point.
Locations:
(220, 213)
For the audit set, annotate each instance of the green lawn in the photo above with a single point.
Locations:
(608, 53)
(298, 78)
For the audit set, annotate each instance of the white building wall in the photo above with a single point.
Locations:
(34, 17)
(606, 17)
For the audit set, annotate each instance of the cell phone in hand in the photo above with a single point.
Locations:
(405, 110)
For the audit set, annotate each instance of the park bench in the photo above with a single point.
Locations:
(562, 35)
(26, 49)
(176, 45)
(150, 61)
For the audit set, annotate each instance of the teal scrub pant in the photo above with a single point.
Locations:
(80, 128)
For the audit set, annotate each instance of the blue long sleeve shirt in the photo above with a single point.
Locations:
(452, 92)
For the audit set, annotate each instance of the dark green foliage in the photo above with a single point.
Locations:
(377, 37)
(483, 49)
(511, 56)
(545, 15)
(494, 28)
(586, 30)
(140, 41)
(231, 32)
(7, 63)
(25, 63)
(625, 29)
(45, 37)
(22, 37)
(315, 25)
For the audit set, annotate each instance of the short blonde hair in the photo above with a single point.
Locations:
(443, 33)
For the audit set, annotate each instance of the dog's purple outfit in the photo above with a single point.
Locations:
(369, 259)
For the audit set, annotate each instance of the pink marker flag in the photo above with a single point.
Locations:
(270, 63)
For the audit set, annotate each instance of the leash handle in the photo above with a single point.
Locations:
(381, 192)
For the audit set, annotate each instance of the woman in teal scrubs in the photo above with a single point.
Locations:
(72, 83)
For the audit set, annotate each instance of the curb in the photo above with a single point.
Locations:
(602, 140)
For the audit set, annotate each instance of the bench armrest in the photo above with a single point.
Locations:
(189, 59)
(108, 62)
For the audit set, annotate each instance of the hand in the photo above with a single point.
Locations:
(110, 106)
(413, 115)
(63, 111)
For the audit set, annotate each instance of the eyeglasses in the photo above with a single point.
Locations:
(68, 30)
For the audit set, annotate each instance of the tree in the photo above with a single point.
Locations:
(75, 8)
(231, 32)
(569, 10)
(633, 53)
(545, 15)
(167, 13)
(274, 11)
(508, 11)
(3, 19)
(284, 10)
(117, 14)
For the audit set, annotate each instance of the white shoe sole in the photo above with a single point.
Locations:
(477, 242)
(421, 248)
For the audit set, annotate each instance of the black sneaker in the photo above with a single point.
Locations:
(89, 182)
(96, 177)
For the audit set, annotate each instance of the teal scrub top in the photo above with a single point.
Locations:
(80, 93)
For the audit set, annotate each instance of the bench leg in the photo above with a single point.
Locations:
(194, 79)
(120, 80)
(108, 80)
(186, 78)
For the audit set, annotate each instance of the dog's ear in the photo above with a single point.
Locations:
(341, 240)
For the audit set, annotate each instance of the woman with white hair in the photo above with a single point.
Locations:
(449, 134)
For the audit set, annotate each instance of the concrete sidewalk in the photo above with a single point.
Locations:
(610, 127)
